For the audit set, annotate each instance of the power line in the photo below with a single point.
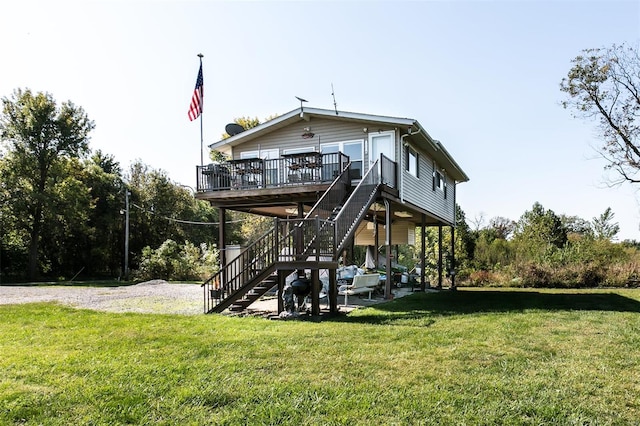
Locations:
(188, 222)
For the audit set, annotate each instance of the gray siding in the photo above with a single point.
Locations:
(325, 131)
(419, 190)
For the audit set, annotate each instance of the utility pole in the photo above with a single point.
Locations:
(126, 235)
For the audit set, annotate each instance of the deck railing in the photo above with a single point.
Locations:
(322, 234)
(356, 206)
(289, 240)
(255, 173)
(388, 172)
(333, 197)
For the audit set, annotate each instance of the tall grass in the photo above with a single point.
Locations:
(466, 357)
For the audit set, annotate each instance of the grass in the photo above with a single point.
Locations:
(467, 357)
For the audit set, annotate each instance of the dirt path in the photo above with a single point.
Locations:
(158, 297)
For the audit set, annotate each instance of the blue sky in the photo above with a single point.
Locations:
(481, 76)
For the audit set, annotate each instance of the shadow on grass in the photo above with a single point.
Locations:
(421, 308)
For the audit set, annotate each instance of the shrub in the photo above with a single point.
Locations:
(533, 275)
(622, 274)
(480, 278)
(173, 262)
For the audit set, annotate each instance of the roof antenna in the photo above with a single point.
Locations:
(301, 101)
(335, 105)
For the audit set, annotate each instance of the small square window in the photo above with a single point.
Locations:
(411, 162)
(438, 181)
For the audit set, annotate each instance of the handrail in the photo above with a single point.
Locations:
(257, 173)
(356, 206)
(274, 246)
(317, 235)
(388, 172)
(335, 194)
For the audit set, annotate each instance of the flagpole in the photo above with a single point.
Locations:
(200, 55)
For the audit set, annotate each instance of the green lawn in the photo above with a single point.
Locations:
(467, 357)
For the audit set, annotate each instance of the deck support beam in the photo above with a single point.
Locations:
(387, 242)
(315, 292)
(423, 285)
(452, 266)
(222, 245)
(333, 291)
(440, 256)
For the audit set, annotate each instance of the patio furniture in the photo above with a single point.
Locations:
(361, 284)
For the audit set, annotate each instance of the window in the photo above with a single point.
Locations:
(411, 161)
(248, 154)
(351, 148)
(298, 150)
(439, 182)
(270, 157)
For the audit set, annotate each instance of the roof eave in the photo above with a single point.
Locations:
(305, 114)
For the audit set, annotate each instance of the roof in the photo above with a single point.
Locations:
(411, 127)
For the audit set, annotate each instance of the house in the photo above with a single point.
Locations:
(330, 179)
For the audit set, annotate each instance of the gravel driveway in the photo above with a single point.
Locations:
(157, 296)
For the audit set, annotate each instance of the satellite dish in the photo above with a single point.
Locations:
(233, 129)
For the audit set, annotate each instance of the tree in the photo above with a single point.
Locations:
(576, 226)
(41, 137)
(502, 227)
(103, 245)
(603, 227)
(538, 231)
(162, 210)
(604, 84)
(246, 123)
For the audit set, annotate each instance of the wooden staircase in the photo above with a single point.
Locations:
(323, 232)
(255, 293)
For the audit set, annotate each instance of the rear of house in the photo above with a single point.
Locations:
(342, 178)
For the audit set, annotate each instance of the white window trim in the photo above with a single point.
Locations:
(299, 150)
(416, 162)
(341, 145)
(248, 154)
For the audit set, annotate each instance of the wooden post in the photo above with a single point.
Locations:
(222, 245)
(440, 256)
(423, 262)
(452, 270)
(333, 291)
(387, 243)
(281, 281)
(315, 292)
(298, 234)
(376, 240)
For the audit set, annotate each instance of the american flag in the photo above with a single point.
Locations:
(196, 101)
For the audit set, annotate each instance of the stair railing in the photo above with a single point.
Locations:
(336, 193)
(356, 206)
(276, 245)
(298, 239)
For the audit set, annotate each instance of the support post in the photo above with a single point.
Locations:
(452, 271)
(387, 243)
(222, 246)
(440, 256)
(423, 262)
(126, 235)
(315, 292)
(376, 238)
(333, 291)
(298, 234)
(282, 276)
